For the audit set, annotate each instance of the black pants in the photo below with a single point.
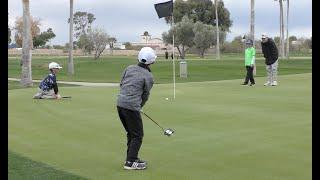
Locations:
(249, 75)
(132, 122)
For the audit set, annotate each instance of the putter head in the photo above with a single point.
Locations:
(168, 132)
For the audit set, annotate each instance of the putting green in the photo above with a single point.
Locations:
(223, 131)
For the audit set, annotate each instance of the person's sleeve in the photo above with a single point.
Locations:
(55, 84)
(274, 50)
(55, 88)
(253, 56)
(122, 76)
(263, 50)
(146, 91)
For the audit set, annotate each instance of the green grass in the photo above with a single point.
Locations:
(20, 167)
(223, 130)
(109, 69)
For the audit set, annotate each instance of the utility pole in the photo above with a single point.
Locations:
(217, 29)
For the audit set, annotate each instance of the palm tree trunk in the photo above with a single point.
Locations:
(280, 50)
(217, 29)
(26, 71)
(281, 29)
(283, 41)
(288, 43)
(252, 22)
(252, 31)
(70, 61)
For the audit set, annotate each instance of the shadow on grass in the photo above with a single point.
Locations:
(20, 167)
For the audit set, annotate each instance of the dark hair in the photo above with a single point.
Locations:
(146, 66)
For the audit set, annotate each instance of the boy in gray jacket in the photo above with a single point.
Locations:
(135, 86)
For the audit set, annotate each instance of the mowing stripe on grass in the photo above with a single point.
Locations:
(20, 167)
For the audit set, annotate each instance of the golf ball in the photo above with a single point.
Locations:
(167, 98)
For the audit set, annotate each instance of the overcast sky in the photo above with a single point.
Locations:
(127, 20)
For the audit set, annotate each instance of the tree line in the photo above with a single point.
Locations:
(89, 39)
(296, 44)
(193, 27)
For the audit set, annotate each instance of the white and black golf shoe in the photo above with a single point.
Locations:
(135, 165)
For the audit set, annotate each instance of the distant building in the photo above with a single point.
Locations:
(117, 45)
(146, 40)
(296, 42)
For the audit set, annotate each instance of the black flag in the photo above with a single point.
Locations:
(164, 9)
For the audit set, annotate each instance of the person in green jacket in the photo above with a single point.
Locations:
(250, 54)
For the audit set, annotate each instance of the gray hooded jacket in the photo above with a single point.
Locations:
(135, 87)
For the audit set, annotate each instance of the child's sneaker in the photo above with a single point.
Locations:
(244, 84)
(267, 83)
(275, 83)
(252, 84)
(135, 165)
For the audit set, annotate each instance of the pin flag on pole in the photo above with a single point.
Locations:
(165, 9)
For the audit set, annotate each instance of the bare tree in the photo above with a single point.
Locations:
(99, 38)
(217, 29)
(70, 61)
(19, 28)
(26, 72)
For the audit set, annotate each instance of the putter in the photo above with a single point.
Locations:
(62, 97)
(167, 132)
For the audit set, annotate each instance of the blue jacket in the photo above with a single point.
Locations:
(49, 83)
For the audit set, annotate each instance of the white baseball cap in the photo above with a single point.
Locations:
(264, 35)
(147, 55)
(54, 65)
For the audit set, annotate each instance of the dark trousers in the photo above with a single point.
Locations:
(132, 123)
(249, 75)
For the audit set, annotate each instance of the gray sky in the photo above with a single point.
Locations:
(127, 20)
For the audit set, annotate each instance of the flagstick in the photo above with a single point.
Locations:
(173, 64)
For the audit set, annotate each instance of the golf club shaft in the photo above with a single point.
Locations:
(152, 120)
(66, 97)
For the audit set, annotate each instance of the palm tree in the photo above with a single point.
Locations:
(26, 72)
(70, 61)
(217, 29)
(146, 35)
(112, 41)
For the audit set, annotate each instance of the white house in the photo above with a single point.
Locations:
(117, 45)
(155, 43)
